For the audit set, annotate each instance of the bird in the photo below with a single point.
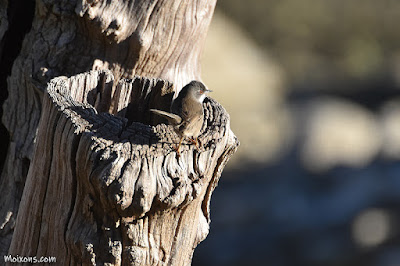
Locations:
(186, 113)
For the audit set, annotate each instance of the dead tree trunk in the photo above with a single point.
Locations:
(110, 188)
(149, 38)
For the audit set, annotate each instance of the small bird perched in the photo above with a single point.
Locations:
(187, 114)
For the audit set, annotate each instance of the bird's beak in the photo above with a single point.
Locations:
(207, 90)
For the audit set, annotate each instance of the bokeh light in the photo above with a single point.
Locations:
(313, 91)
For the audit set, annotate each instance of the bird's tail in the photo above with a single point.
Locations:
(173, 119)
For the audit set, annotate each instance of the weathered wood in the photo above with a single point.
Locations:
(109, 187)
(151, 38)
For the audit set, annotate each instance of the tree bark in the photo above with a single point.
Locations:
(149, 38)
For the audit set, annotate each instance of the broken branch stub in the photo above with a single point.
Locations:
(106, 185)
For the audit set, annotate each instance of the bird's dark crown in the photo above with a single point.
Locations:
(198, 85)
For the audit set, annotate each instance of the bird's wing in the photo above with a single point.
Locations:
(173, 119)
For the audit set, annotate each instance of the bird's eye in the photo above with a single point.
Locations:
(201, 92)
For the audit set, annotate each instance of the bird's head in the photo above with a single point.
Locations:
(198, 90)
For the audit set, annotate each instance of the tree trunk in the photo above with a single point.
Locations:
(110, 188)
(149, 38)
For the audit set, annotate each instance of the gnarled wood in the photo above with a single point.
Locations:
(109, 187)
(151, 38)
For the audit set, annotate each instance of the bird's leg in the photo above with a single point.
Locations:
(195, 141)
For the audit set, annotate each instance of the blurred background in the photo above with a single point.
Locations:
(313, 90)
